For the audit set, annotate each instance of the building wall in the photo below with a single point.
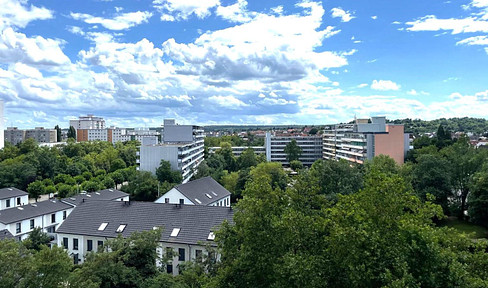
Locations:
(224, 202)
(311, 146)
(391, 144)
(151, 156)
(14, 135)
(174, 197)
(13, 202)
(2, 121)
(81, 135)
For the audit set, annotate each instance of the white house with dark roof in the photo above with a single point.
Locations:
(12, 197)
(20, 220)
(204, 191)
(186, 228)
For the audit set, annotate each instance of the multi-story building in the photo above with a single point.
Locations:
(364, 139)
(14, 135)
(88, 122)
(203, 191)
(186, 228)
(311, 148)
(12, 197)
(182, 147)
(114, 134)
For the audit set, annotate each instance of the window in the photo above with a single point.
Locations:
(182, 201)
(211, 236)
(181, 254)
(65, 242)
(102, 226)
(75, 243)
(18, 200)
(18, 228)
(32, 224)
(76, 259)
(121, 228)
(169, 268)
(89, 245)
(175, 232)
(100, 244)
(7, 204)
(198, 255)
(64, 215)
(53, 218)
(166, 200)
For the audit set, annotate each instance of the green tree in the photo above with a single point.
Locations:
(58, 133)
(164, 173)
(230, 162)
(64, 190)
(90, 186)
(247, 159)
(36, 238)
(36, 189)
(144, 187)
(296, 165)
(478, 198)
(15, 263)
(50, 268)
(292, 151)
(72, 132)
(108, 182)
(118, 177)
(274, 173)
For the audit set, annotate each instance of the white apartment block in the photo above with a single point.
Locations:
(182, 146)
(311, 148)
(237, 150)
(88, 122)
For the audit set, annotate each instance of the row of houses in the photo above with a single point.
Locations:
(83, 223)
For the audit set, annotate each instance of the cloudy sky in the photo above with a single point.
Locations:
(244, 62)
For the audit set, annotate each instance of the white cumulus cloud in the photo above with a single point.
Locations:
(172, 10)
(120, 22)
(384, 85)
(345, 16)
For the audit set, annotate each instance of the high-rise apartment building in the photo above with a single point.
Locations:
(88, 122)
(182, 146)
(363, 139)
(1, 125)
(311, 147)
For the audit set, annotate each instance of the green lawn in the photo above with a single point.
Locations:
(466, 227)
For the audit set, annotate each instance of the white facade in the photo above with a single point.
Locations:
(174, 196)
(237, 150)
(47, 222)
(88, 122)
(311, 148)
(77, 246)
(13, 202)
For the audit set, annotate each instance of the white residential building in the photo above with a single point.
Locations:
(237, 150)
(311, 148)
(186, 228)
(14, 135)
(203, 191)
(88, 122)
(182, 146)
(1, 125)
(12, 197)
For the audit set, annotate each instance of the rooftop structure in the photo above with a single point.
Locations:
(107, 194)
(203, 191)
(88, 122)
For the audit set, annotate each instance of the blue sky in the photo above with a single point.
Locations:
(242, 62)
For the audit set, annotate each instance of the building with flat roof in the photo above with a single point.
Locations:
(88, 122)
(182, 147)
(311, 148)
(364, 139)
(14, 135)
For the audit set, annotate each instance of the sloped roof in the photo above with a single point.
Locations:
(5, 234)
(19, 213)
(205, 189)
(195, 222)
(11, 192)
(107, 194)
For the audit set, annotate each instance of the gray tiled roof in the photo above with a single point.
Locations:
(195, 221)
(107, 194)
(202, 187)
(6, 193)
(12, 215)
(5, 234)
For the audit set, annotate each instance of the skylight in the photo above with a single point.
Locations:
(211, 236)
(208, 195)
(121, 228)
(175, 232)
(20, 208)
(215, 194)
(199, 202)
(102, 226)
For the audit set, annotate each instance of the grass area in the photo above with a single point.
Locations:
(466, 227)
